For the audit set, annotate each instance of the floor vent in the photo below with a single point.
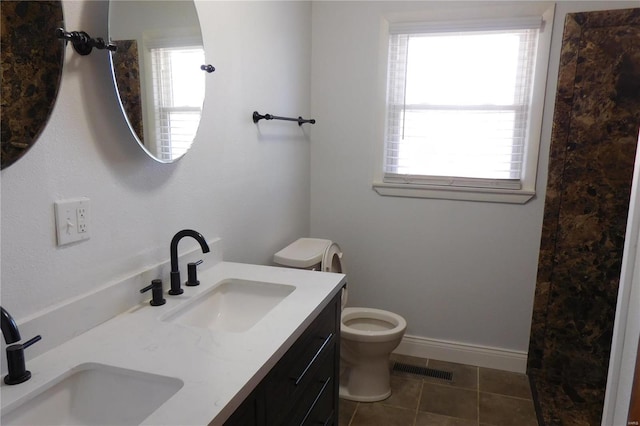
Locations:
(422, 371)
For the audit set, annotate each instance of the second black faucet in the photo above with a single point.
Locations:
(175, 271)
(16, 367)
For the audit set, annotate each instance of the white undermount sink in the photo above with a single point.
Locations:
(93, 394)
(233, 305)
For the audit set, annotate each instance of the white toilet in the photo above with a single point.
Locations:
(368, 335)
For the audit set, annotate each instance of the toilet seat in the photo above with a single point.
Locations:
(371, 325)
(332, 259)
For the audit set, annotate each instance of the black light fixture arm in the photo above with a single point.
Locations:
(257, 117)
(83, 43)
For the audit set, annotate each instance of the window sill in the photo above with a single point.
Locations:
(489, 195)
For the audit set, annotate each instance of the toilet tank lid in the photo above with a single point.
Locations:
(302, 253)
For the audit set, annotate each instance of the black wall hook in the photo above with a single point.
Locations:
(257, 117)
(83, 43)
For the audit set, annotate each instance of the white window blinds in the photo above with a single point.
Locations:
(458, 102)
(177, 101)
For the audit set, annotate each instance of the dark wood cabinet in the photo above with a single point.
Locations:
(302, 389)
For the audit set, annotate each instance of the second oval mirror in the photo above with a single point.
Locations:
(156, 70)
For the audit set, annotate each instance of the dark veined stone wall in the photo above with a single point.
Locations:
(594, 138)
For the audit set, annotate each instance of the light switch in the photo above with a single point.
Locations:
(72, 220)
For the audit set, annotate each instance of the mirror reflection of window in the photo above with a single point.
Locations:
(177, 93)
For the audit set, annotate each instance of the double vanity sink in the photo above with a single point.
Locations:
(95, 394)
(193, 360)
(233, 305)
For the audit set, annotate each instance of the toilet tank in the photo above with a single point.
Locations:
(304, 253)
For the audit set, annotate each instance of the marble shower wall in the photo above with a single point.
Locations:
(126, 69)
(31, 65)
(594, 138)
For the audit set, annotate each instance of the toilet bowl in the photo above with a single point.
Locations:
(368, 336)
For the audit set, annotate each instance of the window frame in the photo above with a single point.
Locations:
(459, 189)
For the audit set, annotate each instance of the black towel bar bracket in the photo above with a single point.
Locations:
(83, 43)
(257, 117)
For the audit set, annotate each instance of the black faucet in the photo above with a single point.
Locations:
(17, 370)
(156, 293)
(175, 272)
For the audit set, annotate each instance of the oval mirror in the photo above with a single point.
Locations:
(157, 74)
(32, 58)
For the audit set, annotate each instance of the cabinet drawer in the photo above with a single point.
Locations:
(299, 366)
(315, 406)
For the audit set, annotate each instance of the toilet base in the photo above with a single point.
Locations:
(344, 394)
(366, 381)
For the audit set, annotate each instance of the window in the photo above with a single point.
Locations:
(464, 107)
(178, 87)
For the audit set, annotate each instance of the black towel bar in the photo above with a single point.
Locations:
(257, 117)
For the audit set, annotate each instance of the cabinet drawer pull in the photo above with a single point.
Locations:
(328, 421)
(304, 372)
(315, 401)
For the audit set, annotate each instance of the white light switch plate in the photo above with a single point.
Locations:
(72, 220)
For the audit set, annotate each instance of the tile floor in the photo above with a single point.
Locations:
(475, 396)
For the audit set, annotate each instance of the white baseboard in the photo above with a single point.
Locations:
(463, 353)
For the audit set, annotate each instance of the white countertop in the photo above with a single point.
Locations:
(219, 369)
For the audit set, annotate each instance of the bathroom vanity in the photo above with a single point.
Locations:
(274, 362)
(303, 386)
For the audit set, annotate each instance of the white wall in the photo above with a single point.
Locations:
(245, 183)
(458, 271)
